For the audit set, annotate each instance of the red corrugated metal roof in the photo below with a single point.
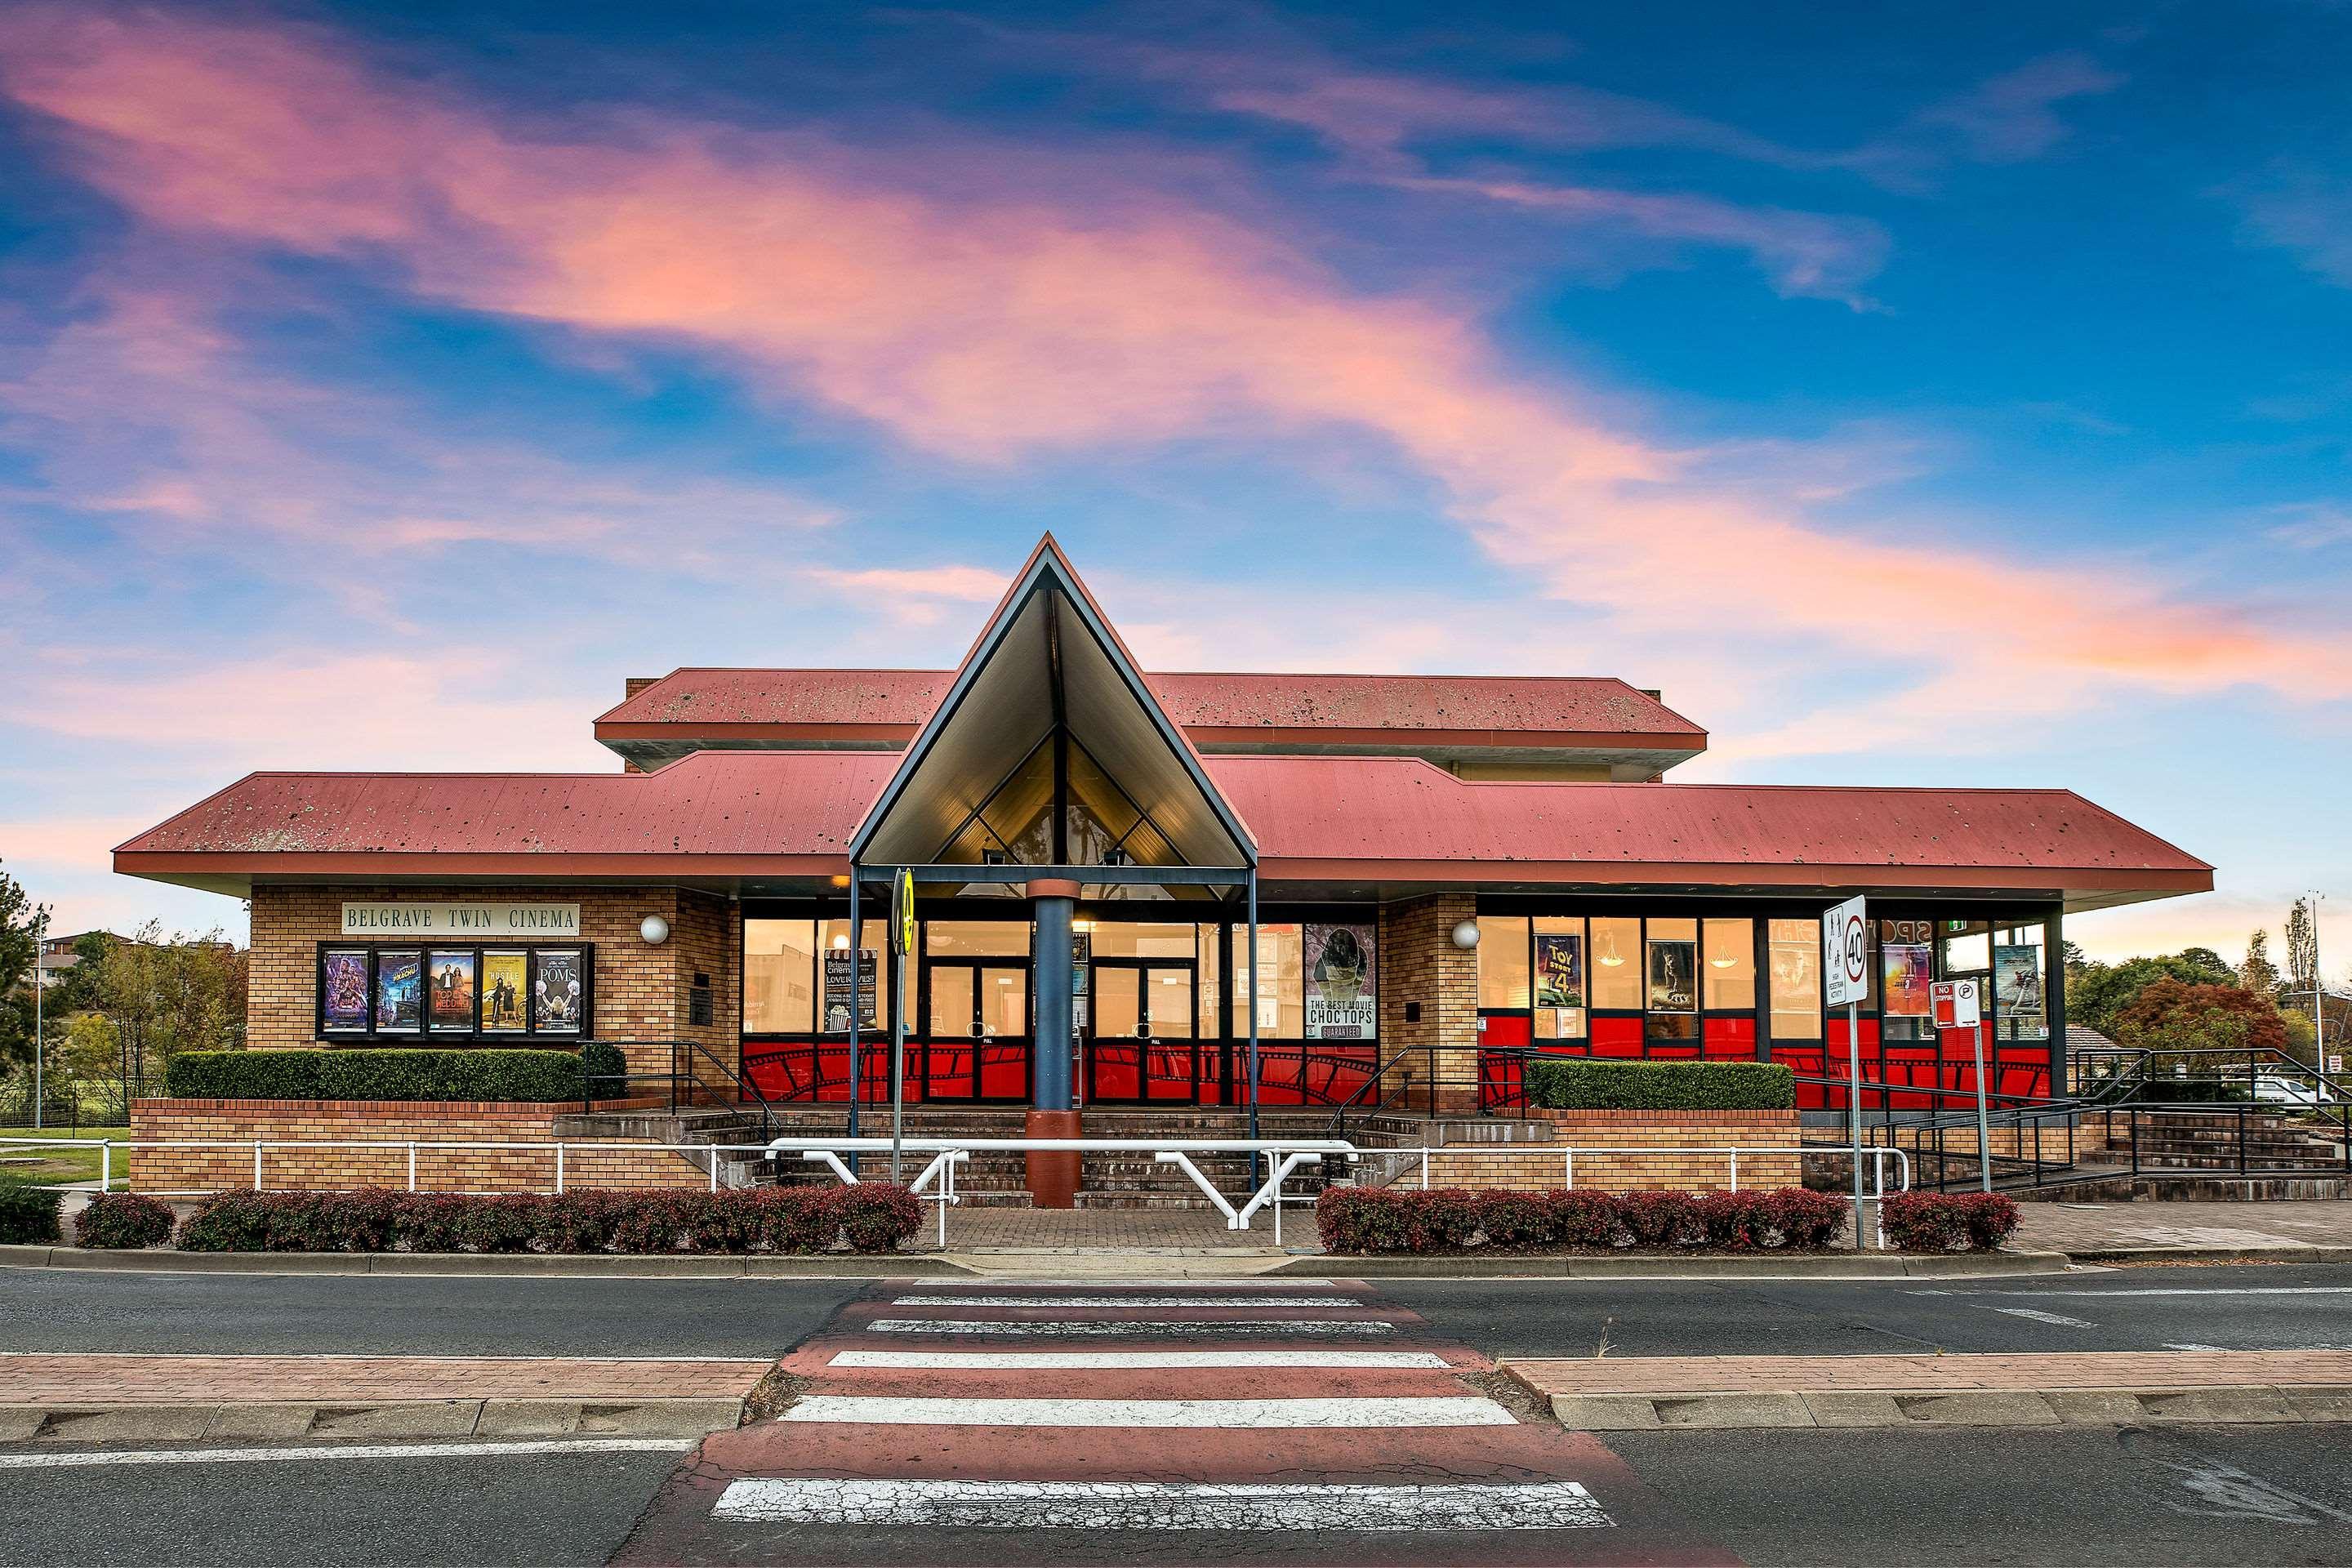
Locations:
(1376, 818)
(883, 700)
(1375, 810)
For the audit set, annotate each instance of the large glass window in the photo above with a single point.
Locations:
(834, 971)
(1281, 981)
(1502, 977)
(1617, 980)
(778, 976)
(1794, 951)
(1728, 978)
(2021, 978)
(952, 1013)
(1561, 978)
(1212, 986)
(1129, 938)
(1003, 1003)
(976, 939)
(1671, 972)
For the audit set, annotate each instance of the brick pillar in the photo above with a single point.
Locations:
(1422, 968)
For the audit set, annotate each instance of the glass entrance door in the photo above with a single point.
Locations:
(975, 1029)
(1140, 1044)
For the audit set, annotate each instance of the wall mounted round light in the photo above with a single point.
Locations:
(1465, 935)
(841, 943)
(654, 930)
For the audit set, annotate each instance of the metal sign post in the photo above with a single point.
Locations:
(1957, 1006)
(1845, 970)
(902, 943)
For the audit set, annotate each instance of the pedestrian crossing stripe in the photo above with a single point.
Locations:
(1440, 1410)
(1163, 1505)
(1144, 1329)
(1302, 1357)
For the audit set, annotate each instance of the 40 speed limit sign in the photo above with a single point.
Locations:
(1845, 954)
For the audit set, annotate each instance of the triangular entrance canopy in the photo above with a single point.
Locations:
(1049, 751)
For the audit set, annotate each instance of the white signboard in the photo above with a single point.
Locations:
(1956, 1004)
(1845, 954)
(467, 921)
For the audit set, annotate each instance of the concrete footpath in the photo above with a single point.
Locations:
(2109, 1388)
(102, 1398)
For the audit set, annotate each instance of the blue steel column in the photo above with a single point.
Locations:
(1051, 1052)
(1253, 1012)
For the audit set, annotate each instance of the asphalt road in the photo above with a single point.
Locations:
(2264, 1307)
(2138, 1497)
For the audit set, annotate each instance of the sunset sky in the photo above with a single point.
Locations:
(1917, 396)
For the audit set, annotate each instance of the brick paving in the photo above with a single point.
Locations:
(2079, 1227)
(1682, 1375)
(1117, 1230)
(29, 1379)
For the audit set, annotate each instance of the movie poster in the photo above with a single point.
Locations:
(1343, 999)
(399, 992)
(1559, 970)
(344, 990)
(559, 992)
(1908, 968)
(449, 993)
(836, 991)
(2017, 989)
(1674, 976)
(505, 978)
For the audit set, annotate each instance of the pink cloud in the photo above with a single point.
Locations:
(992, 329)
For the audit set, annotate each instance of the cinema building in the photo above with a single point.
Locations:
(1440, 873)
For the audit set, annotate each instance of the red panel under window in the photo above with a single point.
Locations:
(1004, 1070)
(950, 1064)
(1731, 1037)
(1616, 1037)
(1504, 1030)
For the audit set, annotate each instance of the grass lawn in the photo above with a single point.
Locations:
(59, 1164)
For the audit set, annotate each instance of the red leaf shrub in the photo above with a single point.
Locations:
(877, 1217)
(1373, 1219)
(123, 1220)
(873, 1217)
(1944, 1222)
(1663, 1218)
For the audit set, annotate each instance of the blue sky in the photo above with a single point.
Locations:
(1916, 397)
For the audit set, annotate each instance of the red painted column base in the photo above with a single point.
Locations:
(1054, 1173)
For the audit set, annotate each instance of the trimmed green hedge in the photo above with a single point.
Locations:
(28, 1212)
(366, 1074)
(1595, 1083)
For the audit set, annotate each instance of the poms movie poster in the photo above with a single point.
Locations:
(399, 990)
(1341, 997)
(1559, 970)
(344, 991)
(449, 981)
(505, 980)
(559, 992)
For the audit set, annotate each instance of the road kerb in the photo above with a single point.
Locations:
(2251, 1405)
(356, 1420)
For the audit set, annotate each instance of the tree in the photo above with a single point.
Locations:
(2072, 959)
(164, 996)
(2258, 974)
(2101, 992)
(2172, 1016)
(2302, 950)
(20, 948)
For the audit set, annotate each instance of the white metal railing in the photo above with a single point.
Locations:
(1281, 1157)
(936, 1180)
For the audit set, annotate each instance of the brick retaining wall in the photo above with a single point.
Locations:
(381, 1122)
(1539, 1166)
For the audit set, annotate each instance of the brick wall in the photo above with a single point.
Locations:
(1420, 964)
(1539, 1166)
(381, 1122)
(641, 992)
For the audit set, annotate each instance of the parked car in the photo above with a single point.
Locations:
(2271, 1090)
